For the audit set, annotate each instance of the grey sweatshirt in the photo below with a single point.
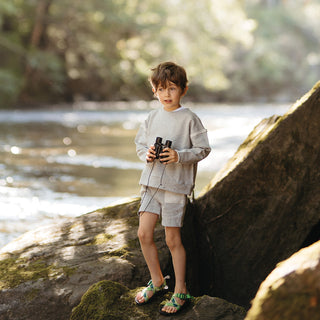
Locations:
(190, 140)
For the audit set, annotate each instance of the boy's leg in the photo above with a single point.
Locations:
(145, 233)
(178, 253)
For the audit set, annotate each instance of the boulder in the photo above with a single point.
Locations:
(111, 300)
(261, 208)
(45, 272)
(292, 290)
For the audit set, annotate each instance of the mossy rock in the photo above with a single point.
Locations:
(111, 300)
(45, 272)
(108, 300)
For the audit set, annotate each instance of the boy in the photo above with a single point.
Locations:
(168, 178)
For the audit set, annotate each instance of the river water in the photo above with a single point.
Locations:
(63, 162)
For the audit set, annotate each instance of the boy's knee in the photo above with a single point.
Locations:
(145, 236)
(173, 241)
(169, 243)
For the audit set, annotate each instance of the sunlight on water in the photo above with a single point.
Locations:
(59, 163)
(97, 162)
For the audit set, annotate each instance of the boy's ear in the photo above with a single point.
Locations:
(154, 92)
(185, 91)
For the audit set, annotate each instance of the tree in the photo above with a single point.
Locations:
(59, 50)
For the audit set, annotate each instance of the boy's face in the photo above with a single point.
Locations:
(169, 95)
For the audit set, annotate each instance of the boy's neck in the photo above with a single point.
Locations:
(172, 108)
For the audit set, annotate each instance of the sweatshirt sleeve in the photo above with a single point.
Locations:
(141, 141)
(200, 147)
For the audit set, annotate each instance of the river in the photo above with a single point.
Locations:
(62, 162)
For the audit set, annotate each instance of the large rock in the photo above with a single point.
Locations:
(111, 300)
(261, 208)
(292, 290)
(44, 273)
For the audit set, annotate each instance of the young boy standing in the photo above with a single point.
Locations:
(168, 178)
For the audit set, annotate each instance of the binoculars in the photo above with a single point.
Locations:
(159, 146)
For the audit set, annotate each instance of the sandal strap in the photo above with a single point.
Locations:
(173, 302)
(151, 287)
(182, 296)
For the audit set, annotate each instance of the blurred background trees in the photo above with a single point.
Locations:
(235, 50)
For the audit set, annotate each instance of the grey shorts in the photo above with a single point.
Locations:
(170, 206)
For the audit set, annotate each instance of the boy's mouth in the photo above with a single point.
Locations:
(168, 101)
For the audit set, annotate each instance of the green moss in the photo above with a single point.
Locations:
(134, 243)
(122, 252)
(111, 300)
(32, 294)
(14, 271)
(68, 271)
(100, 302)
(100, 239)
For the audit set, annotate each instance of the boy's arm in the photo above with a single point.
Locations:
(200, 147)
(195, 154)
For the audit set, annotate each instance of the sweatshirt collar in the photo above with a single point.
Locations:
(176, 110)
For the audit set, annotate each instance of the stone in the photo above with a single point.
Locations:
(292, 290)
(45, 272)
(261, 208)
(111, 300)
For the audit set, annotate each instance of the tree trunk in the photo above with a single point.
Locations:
(38, 41)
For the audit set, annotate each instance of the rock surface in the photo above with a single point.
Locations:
(261, 208)
(44, 273)
(110, 300)
(292, 290)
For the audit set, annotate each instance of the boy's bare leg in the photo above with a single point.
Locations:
(178, 253)
(145, 233)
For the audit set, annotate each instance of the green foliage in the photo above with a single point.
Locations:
(9, 88)
(103, 49)
(284, 58)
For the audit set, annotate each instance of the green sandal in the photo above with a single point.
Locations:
(173, 303)
(155, 290)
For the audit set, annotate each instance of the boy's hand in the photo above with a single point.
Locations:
(151, 154)
(169, 156)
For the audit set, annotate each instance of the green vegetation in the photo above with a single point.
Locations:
(14, 271)
(56, 51)
(100, 239)
(111, 300)
(102, 300)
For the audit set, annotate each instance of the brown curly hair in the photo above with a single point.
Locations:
(168, 71)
